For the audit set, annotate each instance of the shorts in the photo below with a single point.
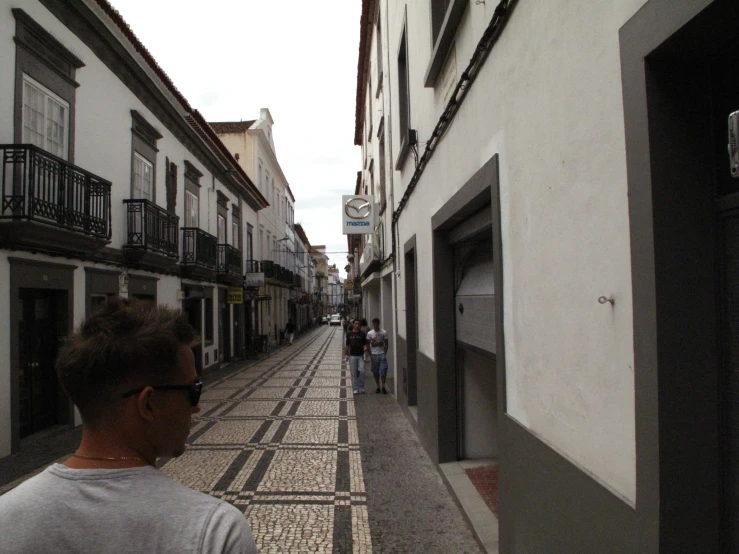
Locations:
(379, 365)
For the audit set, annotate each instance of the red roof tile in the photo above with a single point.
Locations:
(224, 127)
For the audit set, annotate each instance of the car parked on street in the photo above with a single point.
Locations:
(324, 320)
(335, 320)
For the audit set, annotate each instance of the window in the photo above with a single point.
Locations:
(259, 179)
(143, 178)
(404, 101)
(235, 234)
(445, 18)
(45, 118)
(261, 243)
(378, 41)
(383, 201)
(249, 242)
(43, 105)
(144, 139)
(221, 225)
(191, 209)
(438, 11)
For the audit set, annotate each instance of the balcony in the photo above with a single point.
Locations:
(51, 204)
(199, 253)
(228, 268)
(253, 266)
(297, 282)
(152, 237)
(268, 266)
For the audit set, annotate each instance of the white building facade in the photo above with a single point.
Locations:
(252, 143)
(112, 184)
(557, 211)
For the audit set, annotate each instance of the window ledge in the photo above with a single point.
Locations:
(444, 41)
(403, 151)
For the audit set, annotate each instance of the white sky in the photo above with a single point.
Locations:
(230, 58)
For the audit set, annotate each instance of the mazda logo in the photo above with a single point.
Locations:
(357, 208)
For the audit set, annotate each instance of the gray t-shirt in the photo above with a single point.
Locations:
(117, 510)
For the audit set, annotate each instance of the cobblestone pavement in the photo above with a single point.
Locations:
(410, 509)
(279, 441)
(285, 441)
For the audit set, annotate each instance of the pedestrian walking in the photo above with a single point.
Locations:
(366, 356)
(378, 344)
(345, 324)
(290, 331)
(354, 349)
(130, 371)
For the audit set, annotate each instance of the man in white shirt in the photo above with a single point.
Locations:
(130, 371)
(378, 343)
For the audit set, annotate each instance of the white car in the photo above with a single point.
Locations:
(335, 320)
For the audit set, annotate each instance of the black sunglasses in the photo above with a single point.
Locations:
(195, 389)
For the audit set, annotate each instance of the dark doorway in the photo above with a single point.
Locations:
(42, 326)
(224, 325)
(684, 216)
(411, 327)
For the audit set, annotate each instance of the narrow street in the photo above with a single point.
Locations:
(281, 440)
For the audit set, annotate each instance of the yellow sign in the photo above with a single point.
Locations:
(235, 295)
(348, 284)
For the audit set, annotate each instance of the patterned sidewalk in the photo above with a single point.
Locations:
(279, 441)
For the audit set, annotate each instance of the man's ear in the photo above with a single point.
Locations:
(144, 404)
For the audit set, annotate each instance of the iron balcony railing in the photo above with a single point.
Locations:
(268, 266)
(289, 277)
(229, 260)
(253, 266)
(297, 281)
(39, 186)
(198, 248)
(151, 227)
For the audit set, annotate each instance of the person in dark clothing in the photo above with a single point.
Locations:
(356, 344)
(290, 331)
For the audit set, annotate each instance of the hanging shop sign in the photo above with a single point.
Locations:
(254, 279)
(235, 295)
(349, 284)
(358, 215)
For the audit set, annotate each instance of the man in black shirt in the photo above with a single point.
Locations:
(290, 331)
(356, 344)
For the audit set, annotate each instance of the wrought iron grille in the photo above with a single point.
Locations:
(151, 227)
(42, 187)
(229, 260)
(253, 266)
(268, 266)
(198, 248)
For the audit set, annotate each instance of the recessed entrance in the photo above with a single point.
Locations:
(42, 326)
(684, 212)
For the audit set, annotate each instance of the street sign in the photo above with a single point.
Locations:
(254, 279)
(358, 215)
(349, 284)
(235, 295)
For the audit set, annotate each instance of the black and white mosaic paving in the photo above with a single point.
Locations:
(279, 441)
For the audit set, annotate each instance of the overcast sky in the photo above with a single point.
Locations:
(230, 58)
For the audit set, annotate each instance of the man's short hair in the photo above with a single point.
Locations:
(376, 320)
(124, 344)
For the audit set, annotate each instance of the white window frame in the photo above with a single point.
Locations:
(146, 193)
(221, 229)
(49, 95)
(234, 234)
(192, 219)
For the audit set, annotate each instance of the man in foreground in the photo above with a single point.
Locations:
(130, 371)
(356, 344)
(378, 343)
